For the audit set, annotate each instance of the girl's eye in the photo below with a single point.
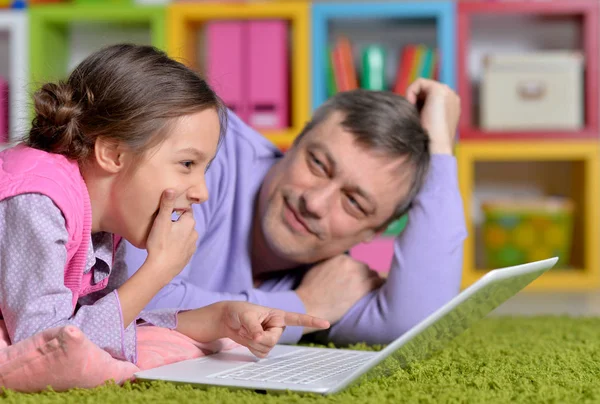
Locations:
(187, 164)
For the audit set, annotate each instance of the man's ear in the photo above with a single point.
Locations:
(371, 234)
(109, 155)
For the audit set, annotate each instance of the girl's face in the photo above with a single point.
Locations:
(178, 163)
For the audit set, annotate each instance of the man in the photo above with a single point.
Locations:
(276, 227)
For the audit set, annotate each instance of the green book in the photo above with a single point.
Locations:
(427, 64)
(331, 87)
(397, 226)
(373, 60)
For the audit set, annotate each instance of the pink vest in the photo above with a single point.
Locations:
(27, 170)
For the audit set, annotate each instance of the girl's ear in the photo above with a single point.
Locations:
(109, 155)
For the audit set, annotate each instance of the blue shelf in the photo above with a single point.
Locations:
(442, 13)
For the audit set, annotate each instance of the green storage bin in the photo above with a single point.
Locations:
(516, 232)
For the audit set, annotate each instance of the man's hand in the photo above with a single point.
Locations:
(331, 288)
(440, 112)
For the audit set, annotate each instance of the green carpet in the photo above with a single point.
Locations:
(543, 359)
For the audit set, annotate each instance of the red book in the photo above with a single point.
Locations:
(405, 65)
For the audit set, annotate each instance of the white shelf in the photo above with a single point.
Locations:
(15, 68)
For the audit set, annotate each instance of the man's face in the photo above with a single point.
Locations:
(329, 193)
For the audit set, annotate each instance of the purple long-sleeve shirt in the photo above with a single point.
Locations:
(33, 296)
(425, 272)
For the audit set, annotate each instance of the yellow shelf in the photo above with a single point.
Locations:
(585, 152)
(183, 19)
(554, 280)
(282, 139)
(529, 150)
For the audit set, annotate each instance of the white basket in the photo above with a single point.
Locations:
(534, 91)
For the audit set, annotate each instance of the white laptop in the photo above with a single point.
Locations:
(327, 370)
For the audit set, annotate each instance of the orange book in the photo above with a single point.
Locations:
(417, 62)
(343, 68)
(338, 69)
(345, 49)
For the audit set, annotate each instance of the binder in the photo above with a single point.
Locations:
(225, 42)
(267, 78)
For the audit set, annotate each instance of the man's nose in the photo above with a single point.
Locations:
(317, 201)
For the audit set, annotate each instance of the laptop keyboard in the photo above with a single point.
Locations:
(299, 367)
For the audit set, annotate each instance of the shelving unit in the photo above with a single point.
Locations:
(569, 169)
(329, 18)
(14, 66)
(185, 43)
(576, 20)
(523, 163)
(54, 51)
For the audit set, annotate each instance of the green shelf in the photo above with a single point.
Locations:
(50, 26)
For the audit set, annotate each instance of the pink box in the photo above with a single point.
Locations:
(226, 60)
(4, 106)
(377, 254)
(268, 78)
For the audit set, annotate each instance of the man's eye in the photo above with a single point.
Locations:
(355, 204)
(317, 162)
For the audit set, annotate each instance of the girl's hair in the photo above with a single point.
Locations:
(126, 93)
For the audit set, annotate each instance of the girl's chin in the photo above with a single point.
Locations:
(138, 242)
(141, 245)
(139, 239)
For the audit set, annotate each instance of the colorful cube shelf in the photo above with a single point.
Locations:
(175, 27)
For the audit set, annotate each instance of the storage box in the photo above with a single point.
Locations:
(516, 232)
(533, 91)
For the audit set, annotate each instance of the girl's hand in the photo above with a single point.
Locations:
(171, 244)
(259, 328)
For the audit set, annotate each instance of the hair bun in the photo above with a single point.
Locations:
(56, 128)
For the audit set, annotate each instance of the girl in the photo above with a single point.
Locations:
(113, 152)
